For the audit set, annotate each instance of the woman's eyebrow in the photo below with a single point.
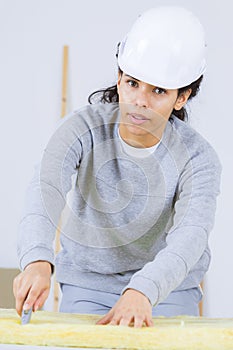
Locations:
(129, 76)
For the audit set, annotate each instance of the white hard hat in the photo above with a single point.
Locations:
(165, 47)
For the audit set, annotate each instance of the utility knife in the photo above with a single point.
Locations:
(26, 316)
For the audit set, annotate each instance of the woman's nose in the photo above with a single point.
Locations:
(142, 98)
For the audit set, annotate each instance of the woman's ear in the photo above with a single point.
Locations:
(182, 99)
(119, 80)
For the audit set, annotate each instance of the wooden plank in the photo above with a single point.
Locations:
(64, 81)
(201, 302)
(56, 291)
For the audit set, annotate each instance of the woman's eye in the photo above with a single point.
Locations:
(132, 83)
(159, 91)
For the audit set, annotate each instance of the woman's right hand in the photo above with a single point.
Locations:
(31, 287)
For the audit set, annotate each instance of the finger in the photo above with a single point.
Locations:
(32, 297)
(15, 292)
(149, 322)
(138, 321)
(15, 285)
(41, 300)
(21, 293)
(125, 321)
(115, 321)
(106, 319)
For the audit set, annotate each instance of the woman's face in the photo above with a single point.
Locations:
(145, 110)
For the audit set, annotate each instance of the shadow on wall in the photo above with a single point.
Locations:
(7, 300)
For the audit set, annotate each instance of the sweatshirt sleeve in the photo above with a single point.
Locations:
(187, 238)
(46, 196)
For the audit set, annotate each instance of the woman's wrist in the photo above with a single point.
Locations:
(41, 264)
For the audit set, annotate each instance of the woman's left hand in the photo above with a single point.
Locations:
(133, 306)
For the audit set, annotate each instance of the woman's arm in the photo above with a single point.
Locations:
(44, 202)
(187, 239)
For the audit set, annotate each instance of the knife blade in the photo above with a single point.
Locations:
(26, 316)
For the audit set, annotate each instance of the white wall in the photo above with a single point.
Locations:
(32, 34)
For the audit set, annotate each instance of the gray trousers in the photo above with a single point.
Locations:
(87, 301)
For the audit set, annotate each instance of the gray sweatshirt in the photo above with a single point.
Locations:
(126, 222)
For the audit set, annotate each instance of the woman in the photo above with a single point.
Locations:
(135, 231)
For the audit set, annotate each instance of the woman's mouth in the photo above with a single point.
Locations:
(137, 118)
